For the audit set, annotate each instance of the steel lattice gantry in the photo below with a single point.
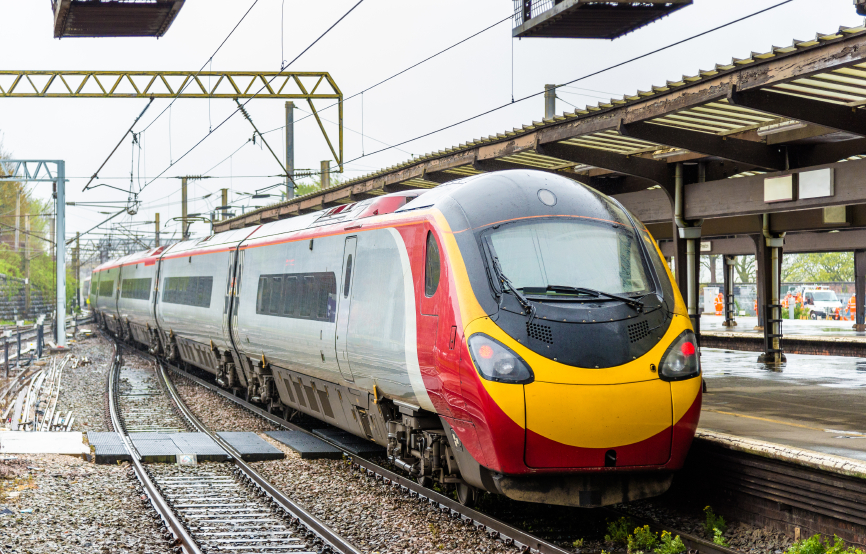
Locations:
(296, 85)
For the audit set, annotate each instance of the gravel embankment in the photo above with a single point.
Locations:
(62, 504)
(82, 388)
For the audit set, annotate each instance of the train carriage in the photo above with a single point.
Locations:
(515, 332)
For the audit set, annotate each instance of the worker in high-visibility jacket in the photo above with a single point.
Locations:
(852, 307)
(720, 304)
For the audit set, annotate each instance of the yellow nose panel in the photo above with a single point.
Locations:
(598, 416)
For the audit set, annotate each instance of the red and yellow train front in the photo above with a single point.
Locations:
(579, 369)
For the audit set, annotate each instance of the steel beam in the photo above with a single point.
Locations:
(745, 151)
(651, 170)
(835, 116)
(860, 288)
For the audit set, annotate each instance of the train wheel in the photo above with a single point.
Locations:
(466, 494)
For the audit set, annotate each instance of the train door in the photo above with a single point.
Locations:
(344, 304)
(235, 300)
(228, 296)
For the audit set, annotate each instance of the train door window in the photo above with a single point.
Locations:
(264, 295)
(290, 296)
(308, 295)
(431, 266)
(276, 295)
(326, 286)
(348, 281)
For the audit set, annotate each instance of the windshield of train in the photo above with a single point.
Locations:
(583, 253)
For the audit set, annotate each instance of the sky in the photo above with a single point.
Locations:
(378, 39)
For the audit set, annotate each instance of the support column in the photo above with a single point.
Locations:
(61, 254)
(290, 150)
(156, 233)
(762, 266)
(772, 278)
(728, 294)
(184, 228)
(325, 181)
(27, 245)
(860, 289)
(17, 245)
(689, 233)
(549, 101)
(78, 270)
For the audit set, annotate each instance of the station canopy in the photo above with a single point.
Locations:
(587, 18)
(792, 107)
(113, 18)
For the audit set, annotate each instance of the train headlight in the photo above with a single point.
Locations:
(496, 362)
(681, 359)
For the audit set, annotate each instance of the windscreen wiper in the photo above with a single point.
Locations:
(506, 283)
(633, 302)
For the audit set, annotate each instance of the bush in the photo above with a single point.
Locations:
(617, 531)
(713, 522)
(816, 545)
(670, 544)
(642, 540)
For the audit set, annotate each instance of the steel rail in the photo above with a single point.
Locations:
(182, 537)
(298, 513)
(494, 528)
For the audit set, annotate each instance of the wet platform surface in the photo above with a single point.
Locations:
(798, 327)
(811, 402)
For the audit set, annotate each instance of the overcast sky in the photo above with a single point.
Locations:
(375, 41)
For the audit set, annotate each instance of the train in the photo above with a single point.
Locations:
(515, 332)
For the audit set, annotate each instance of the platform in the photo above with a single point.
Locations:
(812, 402)
(308, 447)
(836, 338)
(21, 442)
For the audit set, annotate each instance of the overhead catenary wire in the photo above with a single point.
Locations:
(587, 76)
(212, 131)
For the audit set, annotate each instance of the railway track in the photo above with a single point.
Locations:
(493, 527)
(215, 507)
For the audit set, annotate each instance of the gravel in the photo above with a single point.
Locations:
(77, 507)
(82, 388)
(375, 518)
(216, 412)
(740, 536)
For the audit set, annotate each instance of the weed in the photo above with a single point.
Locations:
(434, 530)
(578, 543)
(670, 544)
(642, 540)
(718, 538)
(617, 531)
(815, 545)
(713, 522)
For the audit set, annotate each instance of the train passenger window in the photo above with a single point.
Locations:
(431, 266)
(298, 295)
(188, 291)
(307, 296)
(290, 296)
(137, 289)
(106, 288)
(348, 280)
(276, 295)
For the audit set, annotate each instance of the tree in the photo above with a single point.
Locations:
(745, 269)
(303, 188)
(820, 267)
